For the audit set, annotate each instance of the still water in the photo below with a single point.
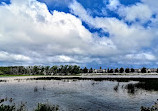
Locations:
(81, 95)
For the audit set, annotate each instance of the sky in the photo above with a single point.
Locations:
(88, 33)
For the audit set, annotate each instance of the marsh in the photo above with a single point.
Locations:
(81, 94)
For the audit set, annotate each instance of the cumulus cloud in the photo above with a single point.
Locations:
(31, 34)
(28, 28)
(113, 4)
(126, 39)
(139, 12)
(152, 4)
(120, 32)
(141, 56)
(4, 56)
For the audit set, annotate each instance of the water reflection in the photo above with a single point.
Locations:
(116, 87)
(89, 94)
(131, 89)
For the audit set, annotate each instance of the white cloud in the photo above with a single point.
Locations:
(125, 39)
(132, 13)
(5, 56)
(141, 56)
(120, 32)
(30, 33)
(152, 4)
(28, 28)
(113, 4)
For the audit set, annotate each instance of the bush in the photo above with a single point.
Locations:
(7, 108)
(47, 107)
(40, 107)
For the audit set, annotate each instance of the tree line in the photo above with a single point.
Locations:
(40, 70)
(63, 70)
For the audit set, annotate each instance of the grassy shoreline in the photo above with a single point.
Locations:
(9, 75)
(84, 74)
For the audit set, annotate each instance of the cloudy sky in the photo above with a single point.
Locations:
(92, 33)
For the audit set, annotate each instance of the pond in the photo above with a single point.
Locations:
(81, 95)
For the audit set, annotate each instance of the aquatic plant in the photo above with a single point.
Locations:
(47, 107)
(35, 89)
(7, 108)
(12, 107)
(22, 107)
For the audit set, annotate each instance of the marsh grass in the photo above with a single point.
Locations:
(13, 107)
(47, 107)
(22, 107)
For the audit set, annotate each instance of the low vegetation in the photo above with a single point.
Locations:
(22, 107)
(47, 107)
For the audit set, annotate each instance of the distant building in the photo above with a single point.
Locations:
(137, 70)
(94, 70)
(148, 70)
(99, 70)
(153, 70)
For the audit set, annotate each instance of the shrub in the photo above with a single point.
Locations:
(47, 107)
(7, 108)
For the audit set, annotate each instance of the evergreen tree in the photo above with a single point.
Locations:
(127, 70)
(132, 70)
(91, 70)
(111, 71)
(116, 70)
(143, 70)
(121, 70)
(85, 70)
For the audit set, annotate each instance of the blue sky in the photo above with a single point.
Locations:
(92, 33)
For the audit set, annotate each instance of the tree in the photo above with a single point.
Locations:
(21, 70)
(70, 67)
(116, 70)
(91, 70)
(42, 70)
(132, 70)
(85, 70)
(143, 70)
(54, 69)
(76, 69)
(65, 69)
(100, 67)
(35, 70)
(61, 69)
(108, 70)
(111, 71)
(5, 70)
(47, 69)
(121, 70)
(127, 70)
(1, 73)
